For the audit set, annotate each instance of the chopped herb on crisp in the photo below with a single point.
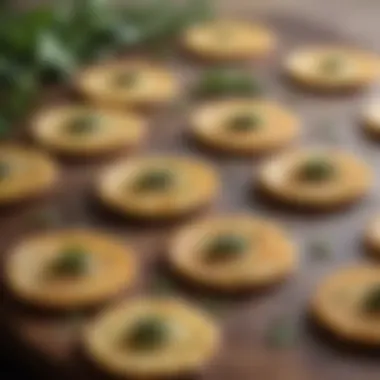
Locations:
(316, 169)
(149, 333)
(82, 124)
(72, 261)
(371, 304)
(225, 247)
(244, 122)
(154, 180)
(331, 65)
(126, 79)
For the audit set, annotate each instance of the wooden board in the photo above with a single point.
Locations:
(52, 343)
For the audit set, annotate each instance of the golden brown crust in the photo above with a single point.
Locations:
(31, 173)
(116, 131)
(27, 270)
(196, 186)
(277, 126)
(371, 120)
(270, 255)
(278, 179)
(195, 341)
(372, 237)
(337, 304)
(225, 40)
(154, 85)
(358, 68)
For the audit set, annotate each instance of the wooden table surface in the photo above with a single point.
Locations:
(51, 342)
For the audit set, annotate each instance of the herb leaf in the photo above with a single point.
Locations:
(54, 61)
(4, 128)
(49, 42)
(223, 82)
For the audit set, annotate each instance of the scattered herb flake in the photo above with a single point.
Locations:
(163, 285)
(46, 218)
(281, 333)
(214, 306)
(219, 82)
(320, 250)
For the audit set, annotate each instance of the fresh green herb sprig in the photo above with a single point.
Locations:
(221, 82)
(50, 42)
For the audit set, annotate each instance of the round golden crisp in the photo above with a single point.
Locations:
(128, 84)
(371, 119)
(24, 173)
(244, 126)
(233, 253)
(332, 68)
(221, 40)
(346, 304)
(127, 188)
(69, 269)
(281, 178)
(84, 131)
(372, 237)
(191, 340)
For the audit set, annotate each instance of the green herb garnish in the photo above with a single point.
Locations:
(331, 65)
(126, 79)
(281, 333)
(82, 124)
(244, 122)
(149, 333)
(320, 249)
(225, 82)
(154, 180)
(316, 170)
(224, 248)
(4, 170)
(48, 43)
(72, 261)
(371, 304)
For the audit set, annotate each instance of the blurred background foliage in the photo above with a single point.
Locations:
(49, 42)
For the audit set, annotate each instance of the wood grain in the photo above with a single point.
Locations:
(52, 343)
